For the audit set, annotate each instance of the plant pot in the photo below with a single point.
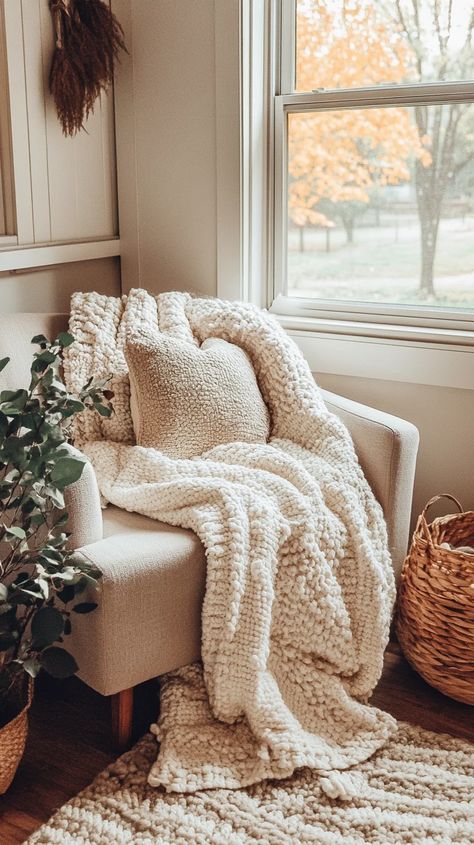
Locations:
(13, 735)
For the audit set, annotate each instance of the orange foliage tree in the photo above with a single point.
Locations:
(336, 158)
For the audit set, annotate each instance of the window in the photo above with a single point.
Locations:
(374, 159)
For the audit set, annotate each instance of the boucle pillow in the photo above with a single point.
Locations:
(187, 399)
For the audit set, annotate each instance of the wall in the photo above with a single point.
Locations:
(173, 134)
(50, 289)
(445, 420)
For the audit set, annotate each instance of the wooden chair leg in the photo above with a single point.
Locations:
(122, 718)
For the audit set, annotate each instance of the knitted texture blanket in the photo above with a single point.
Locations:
(299, 586)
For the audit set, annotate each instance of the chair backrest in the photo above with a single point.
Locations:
(16, 331)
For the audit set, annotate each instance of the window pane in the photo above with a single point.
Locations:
(381, 205)
(354, 43)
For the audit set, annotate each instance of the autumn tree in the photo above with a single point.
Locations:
(355, 43)
(339, 157)
(440, 38)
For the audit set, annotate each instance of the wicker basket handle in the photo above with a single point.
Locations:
(433, 501)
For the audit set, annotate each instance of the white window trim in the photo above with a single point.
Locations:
(244, 119)
(373, 312)
(422, 348)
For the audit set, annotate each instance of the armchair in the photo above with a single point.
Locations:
(148, 619)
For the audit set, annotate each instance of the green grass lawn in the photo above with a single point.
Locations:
(383, 264)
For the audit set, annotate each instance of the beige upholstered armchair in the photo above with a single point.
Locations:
(149, 614)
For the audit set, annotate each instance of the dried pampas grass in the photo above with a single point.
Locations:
(88, 41)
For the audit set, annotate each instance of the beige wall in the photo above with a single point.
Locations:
(50, 289)
(175, 149)
(445, 420)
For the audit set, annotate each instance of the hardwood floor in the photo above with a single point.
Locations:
(69, 740)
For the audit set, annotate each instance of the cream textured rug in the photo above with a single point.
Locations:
(418, 789)
(299, 588)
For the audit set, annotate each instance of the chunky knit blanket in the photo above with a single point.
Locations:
(299, 581)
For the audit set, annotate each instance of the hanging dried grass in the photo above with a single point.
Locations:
(66, 81)
(88, 41)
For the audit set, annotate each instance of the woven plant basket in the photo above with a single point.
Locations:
(13, 736)
(435, 614)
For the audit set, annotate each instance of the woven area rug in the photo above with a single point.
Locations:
(418, 789)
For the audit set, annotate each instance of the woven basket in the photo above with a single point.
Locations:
(435, 614)
(13, 737)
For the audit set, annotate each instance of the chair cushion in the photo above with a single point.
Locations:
(149, 616)
(187, 399)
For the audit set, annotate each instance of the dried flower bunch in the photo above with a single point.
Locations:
(88, 41)
(40, 578)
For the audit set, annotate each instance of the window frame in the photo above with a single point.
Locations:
(454, 325)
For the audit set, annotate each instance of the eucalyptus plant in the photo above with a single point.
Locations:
(41, 580)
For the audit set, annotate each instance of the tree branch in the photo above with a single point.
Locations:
(459, 166)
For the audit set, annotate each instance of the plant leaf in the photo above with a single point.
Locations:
(65, 339)
(74, 406)
(58, 662)
(3, 424)
(42, 361)
(13, 401)
(46, 627)
(67, 593)
(56, 496)
(3, 363)
(15, 532)
(103, 410)
(85, 607)
(8, 639)
(32, 666)
(66, 471)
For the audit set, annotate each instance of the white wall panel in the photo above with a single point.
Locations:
(65, 187)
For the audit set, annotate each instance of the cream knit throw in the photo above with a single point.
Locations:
(417, 790)
(299, 582)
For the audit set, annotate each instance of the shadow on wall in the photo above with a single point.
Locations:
(443, 416)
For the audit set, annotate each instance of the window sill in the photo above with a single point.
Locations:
(444, 358)
(27, 258)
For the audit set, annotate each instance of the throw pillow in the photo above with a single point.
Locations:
(187, 399)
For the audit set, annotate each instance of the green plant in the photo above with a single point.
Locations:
(40, 578)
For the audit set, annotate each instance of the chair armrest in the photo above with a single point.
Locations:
(82, 503)
(387, 448)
